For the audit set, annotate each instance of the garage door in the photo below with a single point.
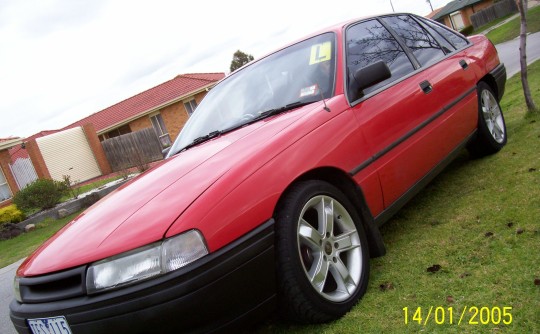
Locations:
(68, 153)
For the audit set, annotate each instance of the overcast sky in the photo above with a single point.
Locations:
(62, 60)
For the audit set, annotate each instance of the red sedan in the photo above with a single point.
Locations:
(273, 194)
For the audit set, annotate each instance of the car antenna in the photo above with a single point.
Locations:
(322, 96)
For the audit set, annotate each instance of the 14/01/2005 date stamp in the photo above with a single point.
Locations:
(470, 315)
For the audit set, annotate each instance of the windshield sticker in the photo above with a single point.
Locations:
(308, 91)
(320, 52)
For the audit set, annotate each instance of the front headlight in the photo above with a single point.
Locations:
(17, 289)
(146, 262)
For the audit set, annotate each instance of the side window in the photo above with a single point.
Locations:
(367, 43)
(5, 192)
(190, 106)
(424, 47)
(455, 39)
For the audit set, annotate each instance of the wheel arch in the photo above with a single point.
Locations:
(353, 192)
(496, 80)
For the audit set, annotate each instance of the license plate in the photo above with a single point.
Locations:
(56, 325)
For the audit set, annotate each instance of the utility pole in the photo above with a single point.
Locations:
(429, 1)
(393, 10)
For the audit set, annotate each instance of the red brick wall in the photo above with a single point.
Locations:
(97, 149)
(37, 159)
(140, 123)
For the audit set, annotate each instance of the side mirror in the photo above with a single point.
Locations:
(371, 75)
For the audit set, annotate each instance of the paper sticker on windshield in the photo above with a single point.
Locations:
(308, 91)
(320, 52)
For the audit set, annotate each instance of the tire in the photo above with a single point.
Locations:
(322, 263)
(491, 133)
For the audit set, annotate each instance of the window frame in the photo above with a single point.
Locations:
(163, 133)
(190, 104)
(5, 183)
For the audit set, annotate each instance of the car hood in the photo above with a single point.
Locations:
(141, 211)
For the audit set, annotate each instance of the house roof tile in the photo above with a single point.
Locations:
(454, 6)
(180, 86)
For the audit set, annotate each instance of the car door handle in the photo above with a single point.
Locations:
(426, 87)
(463, 64)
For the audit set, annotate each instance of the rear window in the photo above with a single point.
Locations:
(424, 47)
(452, 37)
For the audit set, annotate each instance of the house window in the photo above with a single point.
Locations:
(5, 192)
(161, 130)
(124, 129)
(190, 106)
(457, 21)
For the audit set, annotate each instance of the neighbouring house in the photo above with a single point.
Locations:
(164, 108)
(8, 185)
(457, 14)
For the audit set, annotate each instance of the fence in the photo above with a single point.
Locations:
(132, 149)
(497, 10)
(23, 171)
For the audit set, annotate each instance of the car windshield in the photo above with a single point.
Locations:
(299, 74)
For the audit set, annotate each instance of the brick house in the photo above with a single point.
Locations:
(165, 108)
(457, 14)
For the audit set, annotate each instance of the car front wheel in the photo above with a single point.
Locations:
(322, 253)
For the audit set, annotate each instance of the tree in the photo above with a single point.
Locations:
(240, 59)
(523, 57)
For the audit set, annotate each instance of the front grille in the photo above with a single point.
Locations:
(62, 285)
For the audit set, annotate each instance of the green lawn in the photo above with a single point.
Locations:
(479, 221)
(17, 248)
(511, 30)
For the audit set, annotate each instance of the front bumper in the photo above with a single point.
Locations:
(219, 292)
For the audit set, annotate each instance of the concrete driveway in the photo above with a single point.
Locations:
(509, 53)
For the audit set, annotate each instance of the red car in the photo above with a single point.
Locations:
(273, 194)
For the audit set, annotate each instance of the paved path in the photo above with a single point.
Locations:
(509, 53)
(6, 295)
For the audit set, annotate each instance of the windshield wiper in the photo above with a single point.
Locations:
(262, 115)
(286, 107)
(202, 139)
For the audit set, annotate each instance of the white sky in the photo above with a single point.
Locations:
(62, 60)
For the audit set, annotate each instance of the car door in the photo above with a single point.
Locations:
(414, 119)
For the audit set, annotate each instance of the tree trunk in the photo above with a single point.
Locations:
(523, 56)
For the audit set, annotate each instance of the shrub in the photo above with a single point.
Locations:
(467, 30)
(10, 214)
(40, 194)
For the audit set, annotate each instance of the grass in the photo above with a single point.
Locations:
(490, 24)
(511, 30)
(89, 186)
(19, 247)
(479, 221)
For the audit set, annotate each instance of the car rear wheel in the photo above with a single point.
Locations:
(322, 253)
(491, 134)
